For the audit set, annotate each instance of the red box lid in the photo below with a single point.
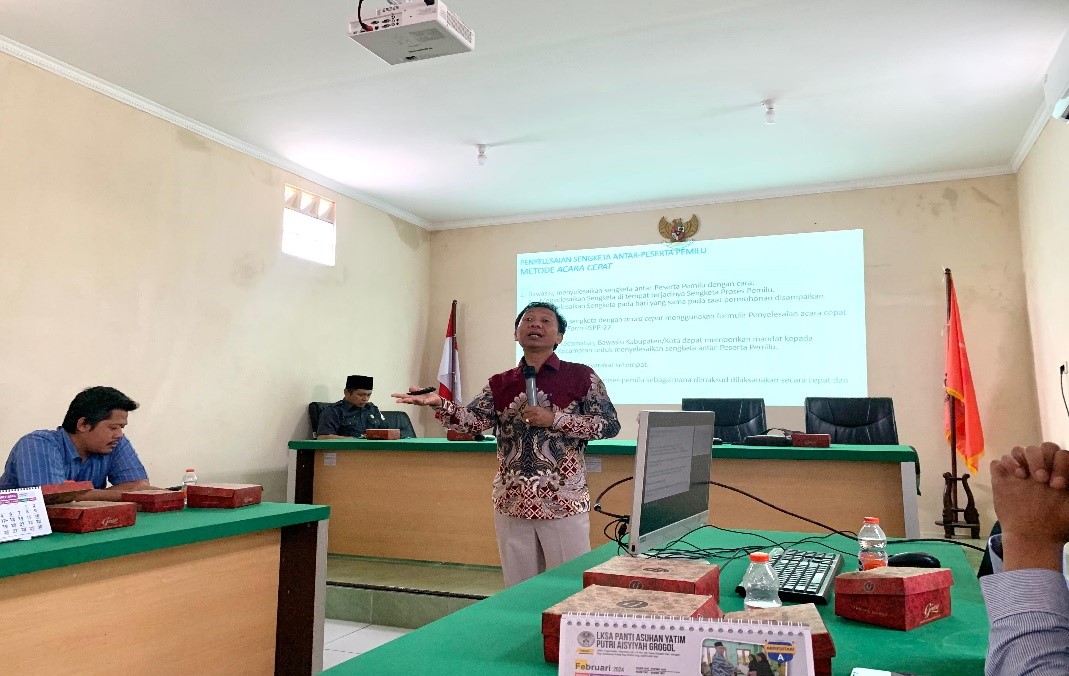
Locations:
(75, 510)
(219, 490)
(383, 433)
(672, 575)
(805, 613)
(153, 496)
(625, 601)
(893, 581)
(65, 492)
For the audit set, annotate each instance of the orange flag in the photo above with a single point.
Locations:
(969, 436)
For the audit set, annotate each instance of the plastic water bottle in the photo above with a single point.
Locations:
(761, 583)
(189, 478)
(872, 545)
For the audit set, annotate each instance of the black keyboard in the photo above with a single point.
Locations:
(804, 577)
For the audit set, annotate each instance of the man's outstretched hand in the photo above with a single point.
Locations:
(431, 399)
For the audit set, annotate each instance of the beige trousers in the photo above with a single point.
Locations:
(531, 546)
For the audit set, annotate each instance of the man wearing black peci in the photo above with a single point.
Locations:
(354, 414)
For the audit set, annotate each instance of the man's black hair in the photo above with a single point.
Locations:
(96, 404)
(562, 323)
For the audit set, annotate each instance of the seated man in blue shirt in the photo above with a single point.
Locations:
(354, 414)
(89, 446)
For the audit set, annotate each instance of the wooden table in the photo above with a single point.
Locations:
(234, 591)
(429, 499)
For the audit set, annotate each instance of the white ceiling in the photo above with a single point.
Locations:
(586, 106)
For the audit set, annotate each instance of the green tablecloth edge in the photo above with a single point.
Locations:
(151, 532)
(622, 447)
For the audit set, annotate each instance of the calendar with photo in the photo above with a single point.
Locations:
(661, 646)
(22, 514)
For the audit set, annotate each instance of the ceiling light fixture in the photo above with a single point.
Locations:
(480, 159)
(770, 111)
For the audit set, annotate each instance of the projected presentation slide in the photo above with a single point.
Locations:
(780, 317)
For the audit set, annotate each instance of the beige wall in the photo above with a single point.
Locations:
(911, 233)
(140, 255)
(1043, 185)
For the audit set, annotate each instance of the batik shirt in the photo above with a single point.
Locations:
(541, 470)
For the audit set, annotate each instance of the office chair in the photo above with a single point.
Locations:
(400, 420)
(864, 420)
(394, 419)
(315, 409)
(735, 419)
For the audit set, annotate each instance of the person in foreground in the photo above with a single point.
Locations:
(354, 414)
(1028, 603)
(89, 446)
(540, 495)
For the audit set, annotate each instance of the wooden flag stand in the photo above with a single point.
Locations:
(969, 514)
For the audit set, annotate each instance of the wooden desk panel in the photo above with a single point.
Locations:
(135, 614)
(435, 506)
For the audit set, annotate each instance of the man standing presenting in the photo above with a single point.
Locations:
(354, 414)
(541, 500)
(89, 446)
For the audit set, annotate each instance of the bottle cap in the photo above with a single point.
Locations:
(872, 519)
(190, 469)
(759, 557)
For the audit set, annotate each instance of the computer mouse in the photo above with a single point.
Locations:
(913, 560)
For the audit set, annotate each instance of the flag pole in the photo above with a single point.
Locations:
(453, 352)
(949, 399)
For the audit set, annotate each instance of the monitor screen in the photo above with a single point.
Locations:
(672, 461)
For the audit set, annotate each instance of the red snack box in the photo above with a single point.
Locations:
(620, 600)
(156, 500)
(226, 496)
(807, 614)
(90, 515)
(670, 575)
(68, 491)
(802, 439)
(897, 598)
(454, 435)
(387, 435)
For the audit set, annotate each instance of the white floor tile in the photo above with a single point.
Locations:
(367, 638)
(335, 629)
(332, 658)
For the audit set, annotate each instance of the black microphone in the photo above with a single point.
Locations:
(529, 375)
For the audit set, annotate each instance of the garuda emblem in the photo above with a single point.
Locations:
(678, 230)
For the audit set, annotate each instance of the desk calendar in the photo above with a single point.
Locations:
(622, 645)
(22, 514)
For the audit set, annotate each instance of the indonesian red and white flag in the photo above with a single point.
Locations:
(449, 368)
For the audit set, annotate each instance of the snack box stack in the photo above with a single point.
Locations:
(225, 496)
(386, 434)
(897, 598)
(156, 500)
(622, 601)
(89, 516)
(807, 614)
(670, 575)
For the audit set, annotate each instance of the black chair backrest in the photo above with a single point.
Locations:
(315, 409)
(864, 420)
(400, 420)
(735, 420)
(394, 419)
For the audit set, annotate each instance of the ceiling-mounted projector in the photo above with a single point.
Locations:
(412, 30)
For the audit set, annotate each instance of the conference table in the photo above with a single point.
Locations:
(234, 591)
(429, 499)
(501, 634)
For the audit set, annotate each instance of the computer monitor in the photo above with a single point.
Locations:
(672, 461)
